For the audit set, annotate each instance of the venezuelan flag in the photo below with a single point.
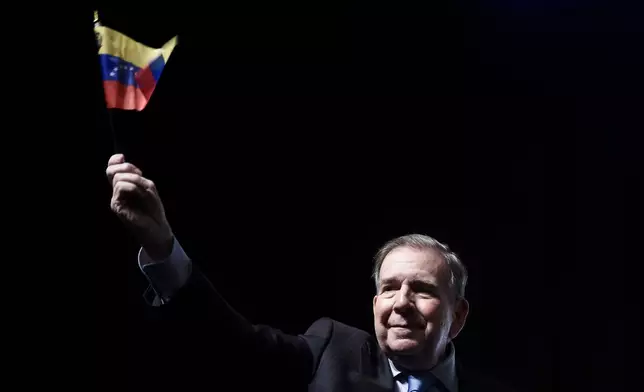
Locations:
(130, 69)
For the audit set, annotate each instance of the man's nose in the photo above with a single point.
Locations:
(403, 298)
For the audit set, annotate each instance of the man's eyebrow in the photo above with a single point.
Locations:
(414, 282)
(425, 284)
(388, 281)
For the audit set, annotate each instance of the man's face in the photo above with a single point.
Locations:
(413, 315)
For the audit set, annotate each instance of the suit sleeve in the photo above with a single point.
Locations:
(165, 276)
(203, 336)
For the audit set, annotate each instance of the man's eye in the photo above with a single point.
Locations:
(427, 293)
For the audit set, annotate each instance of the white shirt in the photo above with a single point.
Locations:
(167, 276)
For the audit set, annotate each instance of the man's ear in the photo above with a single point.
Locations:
(461, 310)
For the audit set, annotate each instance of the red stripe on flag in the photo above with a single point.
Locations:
(146, 81)
(118, 96)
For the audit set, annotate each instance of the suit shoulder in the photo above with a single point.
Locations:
(328, 327)
(338, 336)
(346, 347)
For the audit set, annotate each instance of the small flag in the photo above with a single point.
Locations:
(130, 70)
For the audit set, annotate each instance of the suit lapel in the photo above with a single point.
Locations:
(380, 380)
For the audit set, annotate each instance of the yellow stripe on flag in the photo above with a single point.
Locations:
(168, 47)
(120, 45)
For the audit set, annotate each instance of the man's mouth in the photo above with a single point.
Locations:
(407, 325)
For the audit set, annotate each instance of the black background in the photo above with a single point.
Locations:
(289, 141)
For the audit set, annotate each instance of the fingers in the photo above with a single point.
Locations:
(126, 192)
(116, 158)
(124, 167)
(135, 179)
(126, 178)
(125, 188)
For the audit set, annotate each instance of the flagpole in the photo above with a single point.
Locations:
(115, 145)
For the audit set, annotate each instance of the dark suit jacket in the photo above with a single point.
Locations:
(197, 341)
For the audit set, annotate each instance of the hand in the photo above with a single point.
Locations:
(136, 202)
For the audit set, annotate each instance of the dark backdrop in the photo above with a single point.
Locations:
(289, 141)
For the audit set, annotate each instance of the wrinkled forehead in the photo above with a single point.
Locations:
(414, 264)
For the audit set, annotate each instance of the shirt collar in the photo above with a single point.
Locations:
(445, 370)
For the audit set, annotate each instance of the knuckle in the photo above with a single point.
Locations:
(130, 168)
(117, 178)
(121, 191)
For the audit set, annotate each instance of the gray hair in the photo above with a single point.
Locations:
(458, 272)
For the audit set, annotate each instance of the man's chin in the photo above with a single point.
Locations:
(404, 346)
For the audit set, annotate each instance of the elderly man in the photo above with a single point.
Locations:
(419, 308)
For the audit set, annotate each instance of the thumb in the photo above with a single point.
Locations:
(116, 159)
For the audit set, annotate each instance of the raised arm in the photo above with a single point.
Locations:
(191, 326)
